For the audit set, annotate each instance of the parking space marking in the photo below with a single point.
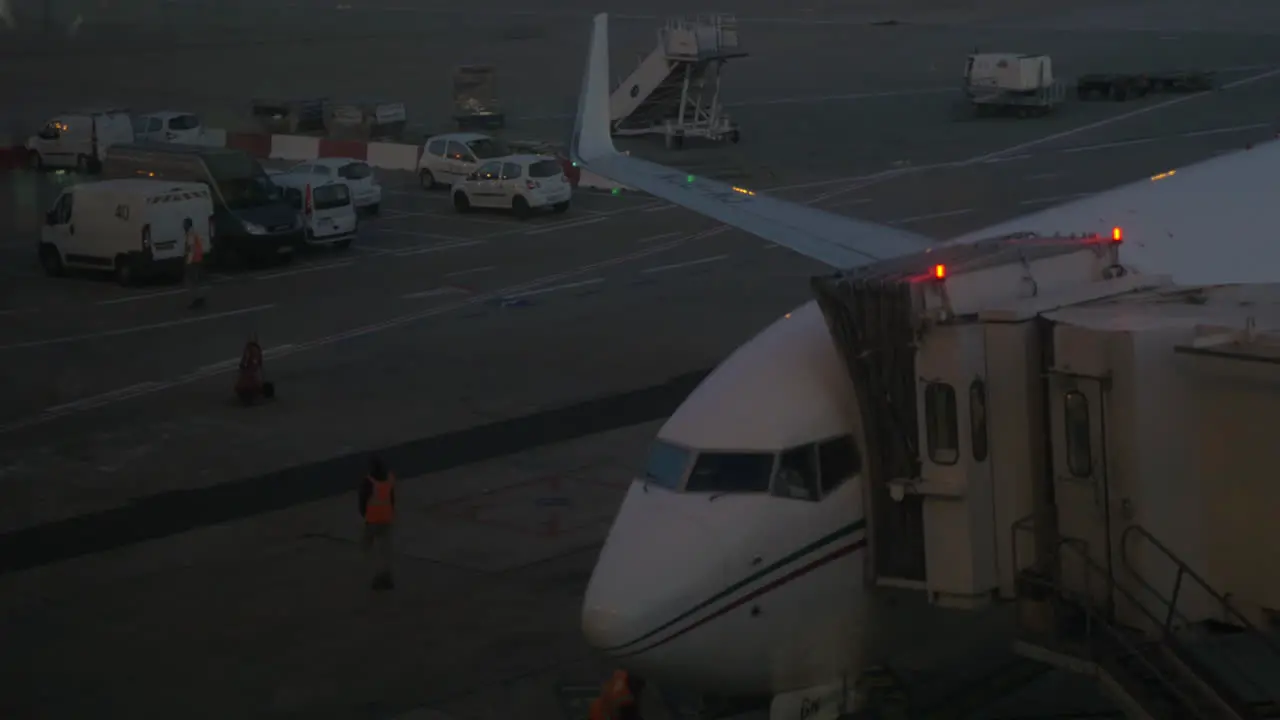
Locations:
(690, 263)
(930, 216)
(1054, 199)
(143, 296)
(307, 269)
(1108, 145)
(552, 288)
(436, 248)
(659, 208)
(415, 233)
(135, 329)
(434, 292)
(659, 236)
(471, 271)
(567, 225)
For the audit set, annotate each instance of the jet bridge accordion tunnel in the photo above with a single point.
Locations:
(871, 322)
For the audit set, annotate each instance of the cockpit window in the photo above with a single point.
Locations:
(797, 476)
(667, 464)
(731, 473)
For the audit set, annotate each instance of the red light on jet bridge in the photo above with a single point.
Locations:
(1117, 235)
(940, 272)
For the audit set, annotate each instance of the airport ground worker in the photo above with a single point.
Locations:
(194, 259)
(619, 698)
(377, 507)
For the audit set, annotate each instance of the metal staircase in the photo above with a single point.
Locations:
(675, 90)
(1154, 672)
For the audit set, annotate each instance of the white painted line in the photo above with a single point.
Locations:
(144, 296)
(1105, 146)
(770, 246)
(415, 233)
(486, 268)
(397, 214)
(136, 329)
(1054, 199)
(568, 225)
(103, 397)
(371, 250)
(691, 263)
(1251, 79)
(434, 292)
(659, 236)
(301, 270)
(851, 201)
(473, 219)
(659, 208)
(553, 288)
(436, 248)
(1224, 130)
(930, 216)
(235, 361)
(1010, 158)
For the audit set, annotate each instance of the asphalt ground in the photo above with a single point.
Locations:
(149, 519)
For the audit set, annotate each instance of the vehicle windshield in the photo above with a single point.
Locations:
(667, 464)
(328, 197)
(241, 181)
(355, 171)
(545, 169)
(184, 122)
(721, 472)
(488, 148)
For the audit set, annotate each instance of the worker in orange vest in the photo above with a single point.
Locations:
(619, 698)
(377, 507)
(193, 258)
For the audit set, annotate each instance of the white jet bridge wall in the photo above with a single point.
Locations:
(1236, 451)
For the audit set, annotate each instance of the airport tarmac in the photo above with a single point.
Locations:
(513, 374)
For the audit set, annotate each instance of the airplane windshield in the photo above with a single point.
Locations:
(720, 472)
(666, 464)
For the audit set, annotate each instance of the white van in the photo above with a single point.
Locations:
(131, 228)
(328, 210)
(169, 126)
(79, 140)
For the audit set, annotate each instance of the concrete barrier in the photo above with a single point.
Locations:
(294, 147)
(393, 156)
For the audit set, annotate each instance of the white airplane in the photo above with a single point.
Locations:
(726, 573)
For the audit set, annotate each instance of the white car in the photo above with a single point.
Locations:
(169, 126)
(446, 159)
(356, 173)
(520, 183)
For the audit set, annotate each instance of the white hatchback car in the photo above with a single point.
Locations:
(520, 183)
(448, 158)
(357, 174)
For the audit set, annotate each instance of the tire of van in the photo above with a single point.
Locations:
(51, 260)
(125, 272)
(427, 180)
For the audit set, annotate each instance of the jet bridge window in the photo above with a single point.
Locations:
(978, 420)
(940, 423)
(667, 465)
(724, 472)
(797, 476)
(1075, 407)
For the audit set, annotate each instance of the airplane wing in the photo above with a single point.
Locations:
(839, 241)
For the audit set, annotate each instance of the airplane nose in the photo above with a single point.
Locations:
(606, 628)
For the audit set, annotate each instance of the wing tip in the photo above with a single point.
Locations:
(591, 133)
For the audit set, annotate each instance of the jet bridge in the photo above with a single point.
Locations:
(675, 89)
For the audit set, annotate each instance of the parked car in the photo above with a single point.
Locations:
(356, 173)
(448, 158)
(328, 212)
(520, 183)
(169, 126)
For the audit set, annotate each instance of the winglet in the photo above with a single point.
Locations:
(591, 135)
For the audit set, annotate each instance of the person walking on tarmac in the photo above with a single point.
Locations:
(619, 698)
(194, 270)
(377, 507)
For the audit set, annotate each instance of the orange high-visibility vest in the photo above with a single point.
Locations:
(197, 247)
(379, 510)
(615, 695)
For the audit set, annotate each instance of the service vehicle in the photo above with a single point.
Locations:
(1010, 83)
(448, 158)
(357, 174)
(78, 139)
(253, 220)
(520, 183)
(131, 228)
(169, 126)
(328, 210)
